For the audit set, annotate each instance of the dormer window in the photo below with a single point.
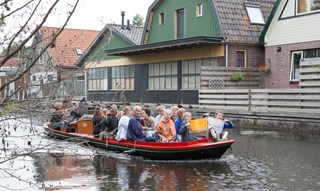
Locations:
(255, 15)
(199, 10)
(79, 51)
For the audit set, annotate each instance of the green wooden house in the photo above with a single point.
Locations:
(178, 38)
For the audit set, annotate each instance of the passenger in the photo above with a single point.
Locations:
(160, 110)
(105, 112)
(165, 128)
(178, 122)
(83, 106)
(148, 122)
(119, 115)
(184, 129)
(123, 124)
(75, 113)
(57, 118)
(74, 116)
(108, 124)
(135, 131)
(174, 110)
(217, 125)
(97, 116)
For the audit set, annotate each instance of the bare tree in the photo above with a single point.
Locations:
(29, 16)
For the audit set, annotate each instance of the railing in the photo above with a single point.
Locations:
(251, 77)
(306, 101)
(310, 73)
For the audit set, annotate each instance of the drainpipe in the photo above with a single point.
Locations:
(227, 54)
(85, 85)
(122, 19)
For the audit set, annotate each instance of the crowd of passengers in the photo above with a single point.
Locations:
(170, 125)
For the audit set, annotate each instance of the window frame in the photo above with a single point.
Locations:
(253, 17)
(199, 10)
(292, 64)
(156, 77)
(161, 18)
(244, 58)
(78, 51)
(98, 79)
(196, 74)
(41, 57)
(176, 23)
(307, 11)
(120, 74)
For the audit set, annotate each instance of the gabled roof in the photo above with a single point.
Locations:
(132, 36)
(13, 62)
(265, 29)
(63, 52)
(235, 22)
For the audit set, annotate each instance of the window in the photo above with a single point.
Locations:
(34, 78)
(295, 65)
(79, 51)
(98, 79)
(122, 77)
(255, 15)
(295, 61)
(161, 18)
(241, 59)
(191, 72)
(163, 76)
(307, 6)
(199, 10)
(80, 78)
(311, 53)
(41, 56)
(50, 77)
(180, 24)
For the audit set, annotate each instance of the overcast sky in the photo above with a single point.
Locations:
(94, 14)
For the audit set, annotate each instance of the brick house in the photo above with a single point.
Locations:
(56, 66)
(291, 35)
(8, 71)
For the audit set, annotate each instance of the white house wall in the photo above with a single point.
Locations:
(292, 29)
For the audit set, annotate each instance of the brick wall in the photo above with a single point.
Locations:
(255, 55)
(280, 62)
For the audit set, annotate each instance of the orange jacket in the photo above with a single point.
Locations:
(166, 130)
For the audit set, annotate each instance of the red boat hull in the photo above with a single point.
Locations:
(199, 149)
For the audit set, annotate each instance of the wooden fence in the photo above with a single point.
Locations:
(251, 80)
(305, 101)
(310, 73)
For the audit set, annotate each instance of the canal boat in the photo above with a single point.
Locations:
(203, 148)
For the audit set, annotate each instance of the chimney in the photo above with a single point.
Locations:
(122, 19)
(128, 25)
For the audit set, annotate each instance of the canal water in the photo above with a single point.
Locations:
(259, 160)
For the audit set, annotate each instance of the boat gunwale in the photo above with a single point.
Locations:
(201, 144)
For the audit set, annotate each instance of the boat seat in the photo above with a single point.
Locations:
(85, 127)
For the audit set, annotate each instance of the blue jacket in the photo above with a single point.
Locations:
(135, 131)
(177, 124)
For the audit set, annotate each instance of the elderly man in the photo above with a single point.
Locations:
(135, 131)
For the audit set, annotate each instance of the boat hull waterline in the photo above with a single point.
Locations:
(198, 149)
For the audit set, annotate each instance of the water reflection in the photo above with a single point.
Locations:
(63, 171)
(261, 160)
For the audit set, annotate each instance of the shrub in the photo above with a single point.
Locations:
(236, 77)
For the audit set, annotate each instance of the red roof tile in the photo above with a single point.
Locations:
(63, 52)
